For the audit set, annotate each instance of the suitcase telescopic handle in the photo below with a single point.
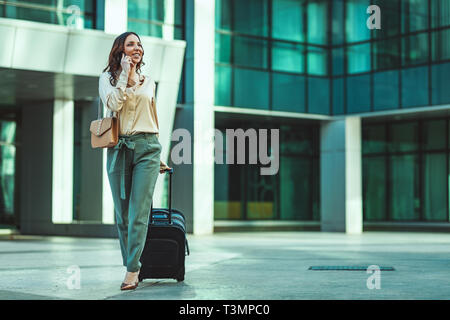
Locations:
(170, 171)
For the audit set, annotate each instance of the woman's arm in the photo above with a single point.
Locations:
(113, 97)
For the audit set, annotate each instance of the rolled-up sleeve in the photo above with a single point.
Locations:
(113, 97)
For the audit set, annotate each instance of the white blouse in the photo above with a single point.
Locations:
(135, 105)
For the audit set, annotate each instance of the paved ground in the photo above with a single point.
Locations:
(254, 265)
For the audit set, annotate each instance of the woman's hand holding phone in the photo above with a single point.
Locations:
(126, 63)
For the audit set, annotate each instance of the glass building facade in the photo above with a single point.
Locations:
(319, 57)
(153, 18)
(149, 17)
(8, 198)
(287, 65)
(269, 56)
(242, 193)
(406, 170)
(89, 13)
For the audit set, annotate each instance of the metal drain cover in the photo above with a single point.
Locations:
(349, 268)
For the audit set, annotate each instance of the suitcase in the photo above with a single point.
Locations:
(166, 244)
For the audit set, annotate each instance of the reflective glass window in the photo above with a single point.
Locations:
(374, 188)
(404, 180)
(435, 187)
(242, 193)
(355, 22)
(295, 188)
(317, 22)
(338, 96)
(223, 15)
(287, 19)
(139, 9)
(251, 17)
(288, 92)
(440, 93)
(296, 141)
(223, 86)
(251, 88)
(53, 12)
(386, 90)
(7, 171)
(228, 191)
(386, 54)
(250, 52)
(146, 29)
(414, 15)
(261, 195)
(223, 48)
(415, 49)
(440, 45)
(440, 13)
(146, 17)
(288, 57)
(338, 61)
(337, 21)
(404, 137)
(317, 61)
(358, 58)
(358, 94)
(390, 18)
(374, 138)
(434, 132)
(318, 95)
(414, 87)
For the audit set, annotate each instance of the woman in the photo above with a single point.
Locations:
(133, 164)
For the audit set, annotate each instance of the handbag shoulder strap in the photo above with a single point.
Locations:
(99, 113)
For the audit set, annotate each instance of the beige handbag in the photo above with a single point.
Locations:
(104, 131)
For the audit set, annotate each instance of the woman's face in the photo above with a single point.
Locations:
(133, 48)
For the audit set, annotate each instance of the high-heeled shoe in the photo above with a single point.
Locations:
(129, 286)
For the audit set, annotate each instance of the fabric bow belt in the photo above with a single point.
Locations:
(123, 142)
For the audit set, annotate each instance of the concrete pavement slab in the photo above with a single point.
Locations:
(246, 265)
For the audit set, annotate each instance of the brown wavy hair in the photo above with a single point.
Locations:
(115, 56)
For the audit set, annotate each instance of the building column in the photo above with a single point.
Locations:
(194, 183)
(203, 152)
(116, 16)
(341, 176)
(107, 199)
(62, 177)
(116, 22)
(169, 20)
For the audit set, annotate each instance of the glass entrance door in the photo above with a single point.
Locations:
(8, 170)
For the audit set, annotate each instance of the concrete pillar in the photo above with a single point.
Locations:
(107, 199)
(116, 16)
(169, 20)
(194, 184)
(203, 151)
(35, 167)
(341, 176)
(116, 22)
(62, 172)
(91, 168)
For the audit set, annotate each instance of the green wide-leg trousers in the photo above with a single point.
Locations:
(133, 168)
